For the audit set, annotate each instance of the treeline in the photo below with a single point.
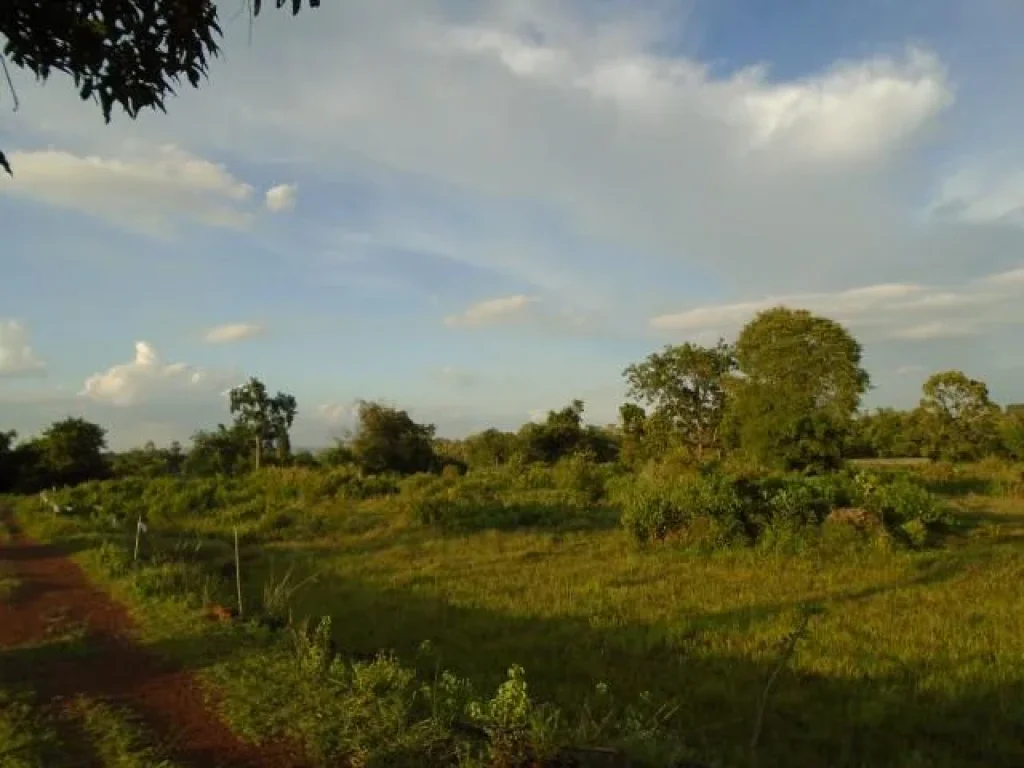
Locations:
(784, 395)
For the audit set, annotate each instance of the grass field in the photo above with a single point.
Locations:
(835, 649)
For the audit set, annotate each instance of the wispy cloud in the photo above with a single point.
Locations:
(223, 334)
(492, 312)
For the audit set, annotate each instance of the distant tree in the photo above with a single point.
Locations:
(266, 419)
(70, 451)
(1011, 432)
(337, 455)
(490, 448)
(563, 434)
(632, 431)
(223, 451)
(685, 386)
(305, 459)
(886, 433)
(9, 460)
(801, 383)
(959, 419)
(131, 53)
(283, 410)
(387, 439)
(148, 461)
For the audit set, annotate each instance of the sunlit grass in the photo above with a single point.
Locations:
(909, 658)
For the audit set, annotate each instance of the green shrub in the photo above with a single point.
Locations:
(901, 500)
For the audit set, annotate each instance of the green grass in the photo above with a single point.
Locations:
(908, 657)
(115, 738)
(85, 732)
(27, 737)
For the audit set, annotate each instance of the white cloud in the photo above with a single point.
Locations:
(892, 310)
(147, 378)
(539, 104)
(149, 192)
(492, 312)
(17, 357)
(281, 197)
(222, 334)
(338, 414)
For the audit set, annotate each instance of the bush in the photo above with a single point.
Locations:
(652, 510)
(902, 501)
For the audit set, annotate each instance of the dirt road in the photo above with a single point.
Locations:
(53, 593)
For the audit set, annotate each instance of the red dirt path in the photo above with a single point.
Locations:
(52, 589)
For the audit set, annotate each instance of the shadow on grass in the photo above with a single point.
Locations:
(960, 486)
(523, 516)
(877, 717)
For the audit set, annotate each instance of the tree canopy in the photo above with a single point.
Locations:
(127, 53)
(266, 420)
(685, 385)
(957, 415)
(801, 384)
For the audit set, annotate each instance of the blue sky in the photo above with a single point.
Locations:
(480, 211)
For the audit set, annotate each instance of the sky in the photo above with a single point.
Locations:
(480, 211)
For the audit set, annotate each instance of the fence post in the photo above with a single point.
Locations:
(238, 574)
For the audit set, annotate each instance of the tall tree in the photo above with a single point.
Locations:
(130, 53)
(685, 386)
(801, 384)
(266, 419)
(959, 418)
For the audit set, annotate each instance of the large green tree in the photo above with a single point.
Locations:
(387, 439)
(960, 421)
(685, 387)
(127, 53)
(800, 385)
(266, 419)
(70, 451)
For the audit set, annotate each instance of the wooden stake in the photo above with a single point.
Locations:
(138, 533)
(238, 574)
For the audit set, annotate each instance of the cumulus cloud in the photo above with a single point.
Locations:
(17, 358)
(281, 197)
(223, 334)
(898, 311)
(147, 377)
(492, 312)
(151, 192)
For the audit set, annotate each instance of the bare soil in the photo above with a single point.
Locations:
(54, 595)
